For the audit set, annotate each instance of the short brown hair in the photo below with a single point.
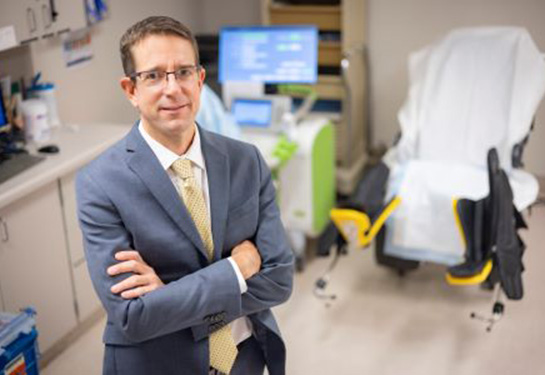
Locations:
(156, 25)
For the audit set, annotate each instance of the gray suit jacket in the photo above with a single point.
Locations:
(127, 201)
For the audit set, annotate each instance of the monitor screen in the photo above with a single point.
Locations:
(269, 54)
(255, 113)
(3, 115)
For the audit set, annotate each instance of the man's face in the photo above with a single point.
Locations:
(167, 109)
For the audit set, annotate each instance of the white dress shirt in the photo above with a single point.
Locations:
(241, 328)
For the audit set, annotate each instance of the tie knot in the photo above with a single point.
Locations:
(182, 167)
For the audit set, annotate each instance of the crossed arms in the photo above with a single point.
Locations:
(141, 306)
(144, 280)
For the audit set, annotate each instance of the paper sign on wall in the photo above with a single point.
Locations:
(77, 49)
(7, 37)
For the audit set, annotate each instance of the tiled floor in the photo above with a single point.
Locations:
(381, 324)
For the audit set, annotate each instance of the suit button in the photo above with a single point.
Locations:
(208, 319)
(213, 327)
(218, 317)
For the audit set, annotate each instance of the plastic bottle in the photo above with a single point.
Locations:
(36, 120)
(46, 92)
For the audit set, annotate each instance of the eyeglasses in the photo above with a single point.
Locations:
(156, 78)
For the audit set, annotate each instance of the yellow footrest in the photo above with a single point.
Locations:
(471, 280)
(355, 226)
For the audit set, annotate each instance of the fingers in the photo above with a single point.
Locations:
(128, 255)
(134, 266)
(129, 283)
(137, 285)
(143, 279)
(137, 292)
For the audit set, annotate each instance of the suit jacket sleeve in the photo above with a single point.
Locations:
(180, 304)
(273, 284)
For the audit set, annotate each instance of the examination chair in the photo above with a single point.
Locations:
(452, 189)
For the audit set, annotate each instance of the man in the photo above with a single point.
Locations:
(209, 255)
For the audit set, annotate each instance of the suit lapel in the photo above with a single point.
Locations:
(144, 163)
(217, 170)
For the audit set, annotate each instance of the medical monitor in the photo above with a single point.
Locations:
(256, 113)
(262, 113)
(269, 54)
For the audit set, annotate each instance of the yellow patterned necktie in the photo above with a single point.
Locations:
(223, 350)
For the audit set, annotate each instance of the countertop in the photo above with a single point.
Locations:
(78, 144)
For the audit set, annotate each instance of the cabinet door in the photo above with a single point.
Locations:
(44, 12)
(70, 15)
(24, 16)
(86, 298)
(36, 19)
(73, 233)
(33, 263)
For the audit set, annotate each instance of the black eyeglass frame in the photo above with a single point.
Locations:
(133, 76)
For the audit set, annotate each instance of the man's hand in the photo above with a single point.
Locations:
(247, 258)
(143, 281)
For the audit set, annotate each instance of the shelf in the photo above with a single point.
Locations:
(329, 53)
(342, 28)
(324, 17)
(328, 88)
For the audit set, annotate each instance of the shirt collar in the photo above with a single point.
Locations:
(167, 157)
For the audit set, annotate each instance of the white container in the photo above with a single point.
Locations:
(46, 92)
(36, 121)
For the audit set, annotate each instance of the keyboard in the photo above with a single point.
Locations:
(17, 163)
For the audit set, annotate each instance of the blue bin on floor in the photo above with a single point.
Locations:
(18, 345)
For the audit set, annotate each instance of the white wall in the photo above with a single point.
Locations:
(91, 93)
(397, 27)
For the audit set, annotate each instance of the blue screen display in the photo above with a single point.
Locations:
(3, 117)
(252, 112)
(269, 54)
